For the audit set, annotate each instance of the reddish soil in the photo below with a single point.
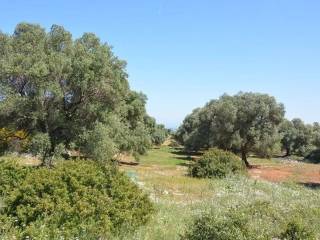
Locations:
(298, 172)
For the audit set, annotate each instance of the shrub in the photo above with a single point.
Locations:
(314, 156)
(241, 222)
(216, 163)
(75, 199)
(297, 231)
(235, 225)
(210, 226)
(11, 175)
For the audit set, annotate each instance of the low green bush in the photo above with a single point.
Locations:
(210, 226)
(75, 199)
(11, 175)
(217, 163)
(241, 223)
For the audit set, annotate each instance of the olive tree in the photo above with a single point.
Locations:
(242, 123)
(316, 134)
(54, 86)
(297, 137)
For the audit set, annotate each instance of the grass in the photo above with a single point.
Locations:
(179, 198)
(163, 173)
(164, 156)
(282, 200)
(264, 161)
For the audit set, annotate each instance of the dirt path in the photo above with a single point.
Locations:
(297, 172)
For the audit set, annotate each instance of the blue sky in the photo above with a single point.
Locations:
(184, 53)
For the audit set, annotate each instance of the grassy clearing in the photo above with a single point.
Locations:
(165, 156)
(179, 198)
(163, 173)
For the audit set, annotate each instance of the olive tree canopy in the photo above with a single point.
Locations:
(69, 92)
(240, 123)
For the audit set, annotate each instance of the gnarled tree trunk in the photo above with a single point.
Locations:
(244, 158)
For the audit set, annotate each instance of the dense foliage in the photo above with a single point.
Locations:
(237, 224)
(216, 163)
(74, 199)
(316, 134)
(248, 122)
(242, 123)
(314, 156)
(209, 227)
(64, 91)
(297, 137)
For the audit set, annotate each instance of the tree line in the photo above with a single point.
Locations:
(247, 123)
(58, 93)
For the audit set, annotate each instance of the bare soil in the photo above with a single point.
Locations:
(298, 172)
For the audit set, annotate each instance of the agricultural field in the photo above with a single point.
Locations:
(275, 187)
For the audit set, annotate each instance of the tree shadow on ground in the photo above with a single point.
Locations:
(185, 153)
(187, 161)
(184, 164)
(311, 185)
(187, 157)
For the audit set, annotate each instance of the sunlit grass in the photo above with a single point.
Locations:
(163, 156)
(264, 161)
(282, 200)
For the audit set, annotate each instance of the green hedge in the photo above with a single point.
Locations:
(75, 199)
